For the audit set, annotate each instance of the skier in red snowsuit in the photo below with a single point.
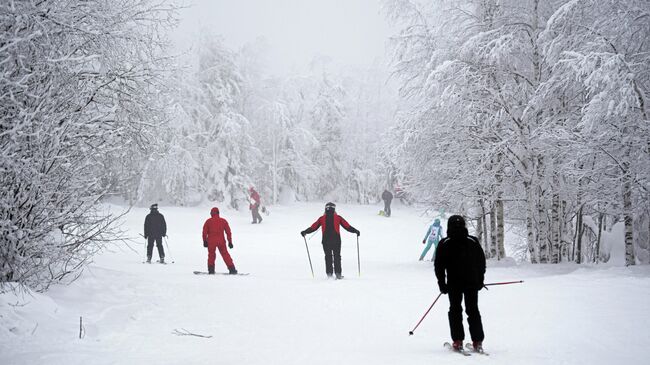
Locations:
(213, 239)
(255, 205)
(330, 223)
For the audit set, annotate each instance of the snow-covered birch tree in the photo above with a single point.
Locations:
(532, 107)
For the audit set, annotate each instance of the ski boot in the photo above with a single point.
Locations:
(211, 269)
(148, 259)
(339, 276)
(457, 345)
(477, 346)
(232, 271)
(162, 260)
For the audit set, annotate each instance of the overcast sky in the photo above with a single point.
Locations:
(351, 32)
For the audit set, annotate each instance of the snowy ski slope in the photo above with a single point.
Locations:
(279, 314)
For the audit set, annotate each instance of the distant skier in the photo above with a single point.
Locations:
(387, 197)
(155, 228)
(255, 205)
(330, 223)
(213, 230)
(431, 238)
(461, 261)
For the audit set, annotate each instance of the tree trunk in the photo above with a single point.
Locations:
(530, 230)
(577, 252)
(501, 250)
(275, 180)
(565, 228)
(556, 226)
(600, 234)
(542, 221)
(274, 166)
(628, 218)
(485, 230)
(493, 231)
(542, 231)
(479, 221)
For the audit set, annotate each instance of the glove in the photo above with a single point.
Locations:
(358, 233)
(303, 233)
(145, 237)
(424, 241)
(481, 286)
(443, 288)
(205, 243)
(230, 245)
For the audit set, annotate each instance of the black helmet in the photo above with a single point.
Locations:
(456, 227)
(455, 221)
(154, 206)
(330, 207)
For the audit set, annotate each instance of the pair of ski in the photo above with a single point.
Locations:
(470, 350)
(157, 262)
(220, 273)
(335, 277)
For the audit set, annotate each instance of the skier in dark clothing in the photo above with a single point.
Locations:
(255, 205)
(155, 229)
(330, 223)
(460, 270)
(387, 197)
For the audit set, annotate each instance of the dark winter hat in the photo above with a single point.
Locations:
(214, 211)
(330, 206)
(456, 227)
(455, 221)
(154, 206)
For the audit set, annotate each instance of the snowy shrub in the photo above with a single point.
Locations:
(77, 83)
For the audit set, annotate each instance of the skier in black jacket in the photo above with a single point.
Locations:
(330, 224)
(460, 270)
(387, 197)
(155, 229)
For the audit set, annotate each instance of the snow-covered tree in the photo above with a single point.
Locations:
(327, 116)
(207, 152)
(531, 106)
(599, 88)
(78, 83)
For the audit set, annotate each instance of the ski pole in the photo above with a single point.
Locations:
(425, 314)
(308, 256)
(169, 253)
(505, 283)
(358, 258)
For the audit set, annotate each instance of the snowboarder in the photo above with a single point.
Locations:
(460, 270)
(387, 197)
(431, 238)
(255, 205)
(155, 228)
(330, 223)
(213, 239)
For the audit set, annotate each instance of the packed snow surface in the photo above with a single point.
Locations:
(279, 314)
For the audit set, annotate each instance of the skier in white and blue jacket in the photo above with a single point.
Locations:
(433, 236)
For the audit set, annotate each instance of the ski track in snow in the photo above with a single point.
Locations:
(279, 314)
